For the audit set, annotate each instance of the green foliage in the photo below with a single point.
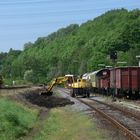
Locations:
(78, 49)
(29, 76)
(7, 68)
(2, 57)
(15, 120)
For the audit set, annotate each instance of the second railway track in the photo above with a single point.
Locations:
(126, 123)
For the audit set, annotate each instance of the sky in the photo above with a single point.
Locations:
(23, 21)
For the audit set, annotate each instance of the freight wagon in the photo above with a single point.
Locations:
(103, 81)
(98, 80)
(126, 81)
(119, 81)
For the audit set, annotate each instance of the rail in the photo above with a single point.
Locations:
(130, 134)
(15, 87)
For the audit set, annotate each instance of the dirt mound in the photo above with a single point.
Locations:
(45, 101)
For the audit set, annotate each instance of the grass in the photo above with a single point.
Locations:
(15, 119)
(63, 124)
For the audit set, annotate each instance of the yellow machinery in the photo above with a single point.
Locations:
(80, 87)
(77, 86)
(67, 81)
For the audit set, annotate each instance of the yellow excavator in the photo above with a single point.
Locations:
(76, 85)
(66, 80)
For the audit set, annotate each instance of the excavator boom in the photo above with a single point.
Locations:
(59, 80)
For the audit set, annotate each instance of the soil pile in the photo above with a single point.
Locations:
(46, 101)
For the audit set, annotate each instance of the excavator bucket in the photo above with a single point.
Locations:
(46, 93)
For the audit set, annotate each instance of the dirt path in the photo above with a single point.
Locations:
(37, 128)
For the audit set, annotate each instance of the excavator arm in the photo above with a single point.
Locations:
(59, 80)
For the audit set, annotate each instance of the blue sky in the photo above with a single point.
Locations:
(26, 20)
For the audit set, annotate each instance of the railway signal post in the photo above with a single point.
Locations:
(113, 57)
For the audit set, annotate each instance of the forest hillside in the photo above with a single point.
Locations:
(76, 49)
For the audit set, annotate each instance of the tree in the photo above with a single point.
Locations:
(29, 76)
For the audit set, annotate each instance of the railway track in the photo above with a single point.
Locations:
(13, 90)
(124, 120)
(127, 111)
(15, 87)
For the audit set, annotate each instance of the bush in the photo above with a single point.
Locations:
(15, 120)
